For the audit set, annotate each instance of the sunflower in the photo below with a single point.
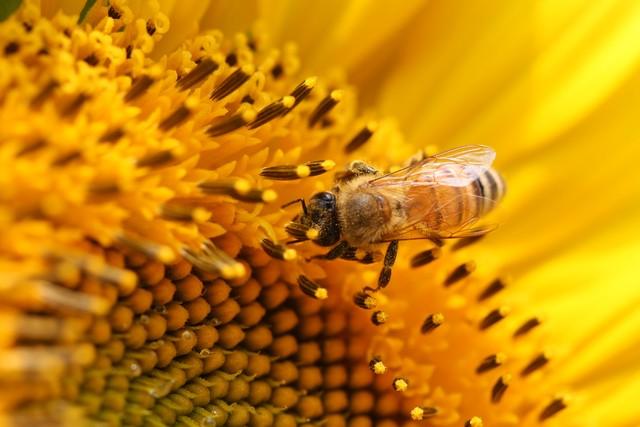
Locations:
(147, 149)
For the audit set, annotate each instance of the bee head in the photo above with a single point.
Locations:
(322, 214)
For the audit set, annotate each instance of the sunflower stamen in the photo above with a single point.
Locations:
(361, 137)
(278, 251)
(153, 250)
(377, 366)
(491, 362)
(537, 363)
(272, 111)
(231, 123)
(500, 387)
(301, 232)
(492, 288)
(160, 158)
(425, 257)
(432, 322)
(323, 108)
(290, 172)
(179, 115)
(419, 413)
(44, 94)
(527, 326)
(112, 135)
(36, 145)
(239, 189)
(461, 272)
(138, 88)
(400, 384)
(556, 405)
(379, 318)
(311, 288)
(474, 422)
(232, 82)
(303, 90)
(72, 108)
(198, 74)
(364, 300)
(494, 317)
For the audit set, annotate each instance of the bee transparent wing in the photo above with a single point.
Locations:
(433, 170)
(479, 155)
(416, 227)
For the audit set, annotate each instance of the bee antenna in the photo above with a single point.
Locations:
(293, 202)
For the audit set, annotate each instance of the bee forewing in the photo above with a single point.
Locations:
(480, 155)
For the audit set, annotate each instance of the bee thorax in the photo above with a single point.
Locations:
(362, 217)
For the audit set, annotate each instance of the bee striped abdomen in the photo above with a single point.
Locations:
(489, 189)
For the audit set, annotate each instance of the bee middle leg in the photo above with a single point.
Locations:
(335, 252)
(389, 260)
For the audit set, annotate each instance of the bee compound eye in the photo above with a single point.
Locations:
(325, 196)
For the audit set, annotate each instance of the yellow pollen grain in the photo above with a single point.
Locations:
(249, 115)
(248, 69)
(289, 254)
(269, 196)
(303, 171)
(312, 234)
(475, 422)
(321, 293)
(288, 101)
(242, 186)
(501, 358)
(337, 94)
(200, 215)
(400, 384)
(311, 82)
(328, 165)
(191, 102)
(165, 255)
(438, 318)
(417, 413)
(379, 368)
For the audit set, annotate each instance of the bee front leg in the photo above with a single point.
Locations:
(389, 260)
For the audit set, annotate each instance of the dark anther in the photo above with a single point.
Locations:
(425, 257)
(553, 408)
(490, 362)
(461, 272)
(492, 288)
(11, 48)
(138, 88)
(537, 363)
(277, 71)
(201, 71)
(500, 387)
(432, 322)
(361, 137)
(114, 13)
(231, 59)
(493, 317)
(526, 327)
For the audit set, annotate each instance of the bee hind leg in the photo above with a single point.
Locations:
(389, 260)
(361, 256)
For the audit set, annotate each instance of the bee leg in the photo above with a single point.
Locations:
(335, 252)
(355, 169)
(389, 260)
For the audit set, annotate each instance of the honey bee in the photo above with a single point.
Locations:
(437, 197)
